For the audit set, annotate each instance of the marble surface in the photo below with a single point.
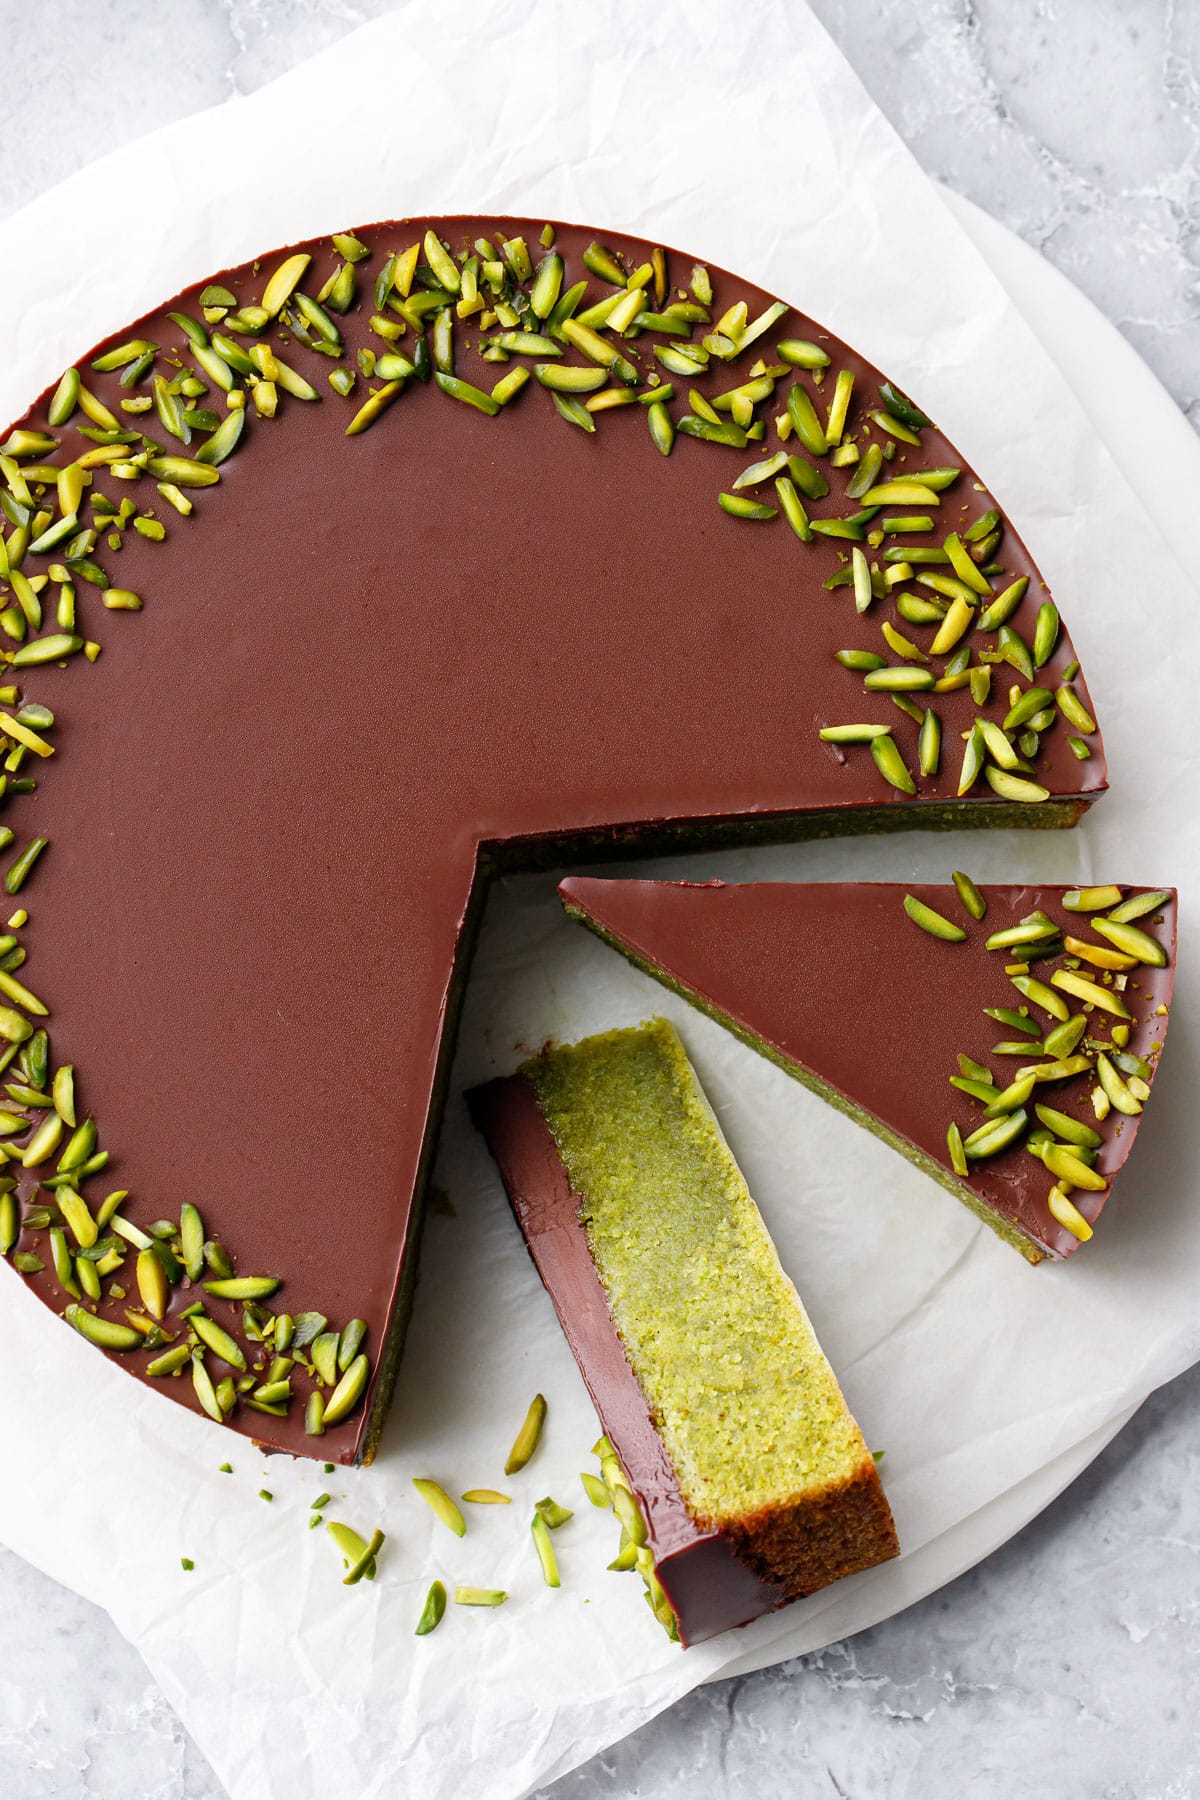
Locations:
(1069, 1662)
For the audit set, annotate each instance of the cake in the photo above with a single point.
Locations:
(463, 544)
(1005, 1039)
(752, 1480)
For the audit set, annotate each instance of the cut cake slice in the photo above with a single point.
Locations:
(752, 1480)
(1009, 1055)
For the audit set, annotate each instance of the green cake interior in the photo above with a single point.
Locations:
(741, 1393)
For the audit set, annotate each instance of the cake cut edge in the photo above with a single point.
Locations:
(715, 1575)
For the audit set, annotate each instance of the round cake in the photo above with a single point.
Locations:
(460, 544)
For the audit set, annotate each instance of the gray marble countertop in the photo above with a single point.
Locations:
(1067, 1664)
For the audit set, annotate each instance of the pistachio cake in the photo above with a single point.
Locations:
(1005, 1039)
(752, 1479)
(348, 577)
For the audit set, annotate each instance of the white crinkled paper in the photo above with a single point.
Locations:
(745, 138)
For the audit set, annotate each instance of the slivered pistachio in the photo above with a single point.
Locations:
(805, 422)
(1115, 1087)
(1132, 941)
(528, 1438)
(995, 1136)
(596, 1489)
(791, 507)
(78, 1217)
(903, 409)
(851, 734)
(958, 1155)
(761, 471)
(1038, 994)
(1067, 1214)
(153, 1285)
(218, 1340)
(171, 1361)
(477, 1596)
(965, 568)
(441, 1505)
(104, 1332)
(1064, 1126)
(662, 428)
(487, 1497)
(891, 764)
(433, 1611)
(860, 659)
(1091, 899)
(984, 1091)
(324, 1356)
(969, 894)
(1099, 955)
(370, 410)
(243, 1287)
(1067, 1166)
(1004, 605)
(1045, 635)
(1015, 787)
(742, 507)
(1073, 709)
(43, 1143)
(901, 493)
(1011, 1097)
(930, 743)
(1064, 1038)
(973, 761)
(898, 678)
(1090, 992)
(933, 922)
(314, 1415)
(350, 1343)
(348, 1392)
(573, 411)
(545, 1551)
(1030, 932)
(191, 1240)
(1137, 906)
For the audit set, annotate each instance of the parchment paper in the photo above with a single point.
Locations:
(743, 137)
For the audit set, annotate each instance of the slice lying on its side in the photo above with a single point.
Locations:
(753, 1481)
(1004, 1039)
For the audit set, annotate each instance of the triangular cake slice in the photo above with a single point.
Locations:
(1005, 1039)
(724, 1424)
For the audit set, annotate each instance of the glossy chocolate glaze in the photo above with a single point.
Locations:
(367, 669)
(710, 1588)
(835, 981)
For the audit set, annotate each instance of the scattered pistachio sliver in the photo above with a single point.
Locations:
(1138, 905)
(243, 1287)
(348, 1392)
(933, 922)
(1068, 1214)
(1132, 941)
(1091, 992)
(528, 1438)
(433, 1611)
(351, 1548)
(545, 1550)
(441, 1505)
(105, 1333)
(596, 1489)
(477, 1596)
(487, 1497)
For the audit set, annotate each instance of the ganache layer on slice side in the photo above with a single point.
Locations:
(1014, 1075)
(752, 1478)
(457, 550)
